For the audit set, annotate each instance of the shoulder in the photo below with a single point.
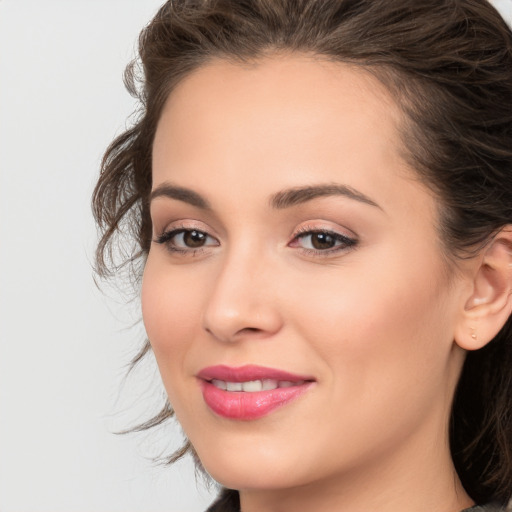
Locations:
(228, 501)
(490, 507)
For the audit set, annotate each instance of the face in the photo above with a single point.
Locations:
(296, 262)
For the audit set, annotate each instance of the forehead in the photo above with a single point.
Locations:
(280, 122)
(278, 101)
(284, 76)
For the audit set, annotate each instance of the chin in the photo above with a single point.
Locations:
(254, 467)
(242, 476)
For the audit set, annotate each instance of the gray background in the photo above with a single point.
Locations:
(63, 344)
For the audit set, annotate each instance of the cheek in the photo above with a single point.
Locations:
(170, 312)
(382, 339)
(391, 321)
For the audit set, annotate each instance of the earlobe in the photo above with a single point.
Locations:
(490, 303)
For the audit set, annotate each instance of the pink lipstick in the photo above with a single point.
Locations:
(249, 392)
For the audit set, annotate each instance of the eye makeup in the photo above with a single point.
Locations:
(314, 241)
(311, 241)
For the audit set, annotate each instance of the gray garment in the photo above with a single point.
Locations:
(491, 507)
(229, 501)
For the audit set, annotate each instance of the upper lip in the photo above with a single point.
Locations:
(249, 372)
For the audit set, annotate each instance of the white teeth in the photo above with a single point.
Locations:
(253, 386)
(234, 386)
(219, 384)
(269, 384)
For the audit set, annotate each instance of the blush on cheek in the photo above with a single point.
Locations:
(171, 314)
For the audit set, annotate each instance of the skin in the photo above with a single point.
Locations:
(373, 322)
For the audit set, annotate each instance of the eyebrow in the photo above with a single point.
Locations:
(299, 195)
(280, 200)
(181, 194)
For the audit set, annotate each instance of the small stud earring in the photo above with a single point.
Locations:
(473, 333)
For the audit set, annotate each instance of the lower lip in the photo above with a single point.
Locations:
(240, 405)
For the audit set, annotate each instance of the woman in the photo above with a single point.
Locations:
(321, 198)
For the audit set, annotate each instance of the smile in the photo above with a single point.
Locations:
(253, 386)
(249, 392)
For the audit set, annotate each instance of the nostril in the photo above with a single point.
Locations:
(235, 318)
(249, 329)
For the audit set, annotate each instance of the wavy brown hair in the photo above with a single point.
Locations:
(448, 65)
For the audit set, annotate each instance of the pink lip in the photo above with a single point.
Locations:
(247, 406)
(248, 372)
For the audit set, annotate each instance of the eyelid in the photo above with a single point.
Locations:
(347, 241)
(343, 241)
(170, 233)
(319, 226)
(165, 237)
(185, 224)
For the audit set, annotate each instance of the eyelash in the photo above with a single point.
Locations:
(166, 238)
(345, 242)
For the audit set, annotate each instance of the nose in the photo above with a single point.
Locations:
(242, 303)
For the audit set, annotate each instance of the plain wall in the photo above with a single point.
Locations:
(64, 345)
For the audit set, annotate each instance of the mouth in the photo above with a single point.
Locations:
(249, 392)
(254, 386)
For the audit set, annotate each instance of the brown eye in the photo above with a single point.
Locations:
(322, 241)
(194, 239)
(186, 240)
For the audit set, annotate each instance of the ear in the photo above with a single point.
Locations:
(490, 302)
